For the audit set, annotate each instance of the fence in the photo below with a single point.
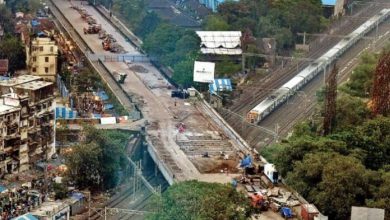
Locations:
(136, 58)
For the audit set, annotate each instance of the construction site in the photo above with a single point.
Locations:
(185, 137)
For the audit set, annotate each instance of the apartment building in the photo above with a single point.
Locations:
(26, 123)
(41, 58)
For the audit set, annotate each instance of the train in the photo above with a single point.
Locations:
(280, 95)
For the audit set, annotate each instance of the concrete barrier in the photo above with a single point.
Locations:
(164, 169)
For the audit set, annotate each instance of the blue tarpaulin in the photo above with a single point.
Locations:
(27, 216)
(220, 85)
(246, 162)
(65, 113)
(329, 2)
(103, 95)
(108, 106)
(77, 196)
(35, 23)
(286, 212)
(97, 115)
(2, 188)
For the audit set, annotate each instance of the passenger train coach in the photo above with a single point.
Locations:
(280, 95)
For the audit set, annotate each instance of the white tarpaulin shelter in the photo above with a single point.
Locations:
(108, 121)
(204, 72)
(220, 42)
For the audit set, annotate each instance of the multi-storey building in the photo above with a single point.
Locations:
(26, 123)
(41, 58)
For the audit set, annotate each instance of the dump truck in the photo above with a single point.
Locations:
(84, 14)
(102, 34)
(93, 29)
(91, 20)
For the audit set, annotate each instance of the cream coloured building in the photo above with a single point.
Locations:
(42, 58)
(26, 123)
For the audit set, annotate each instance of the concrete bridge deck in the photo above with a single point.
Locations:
(145, 84)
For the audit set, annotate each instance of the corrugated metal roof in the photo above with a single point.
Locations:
(220, 42)
(220, 85)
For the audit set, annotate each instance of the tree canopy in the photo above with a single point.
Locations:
(200, 200)
(351, 165)
(96, 162)
(271, 19)
(11, 48)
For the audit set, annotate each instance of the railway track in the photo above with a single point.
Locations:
(288, 115)
(124, 200)
(255, 94)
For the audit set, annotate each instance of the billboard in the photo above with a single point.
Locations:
(204, 72)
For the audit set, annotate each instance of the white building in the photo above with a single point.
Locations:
(52, 211)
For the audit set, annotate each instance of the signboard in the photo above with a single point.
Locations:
(204, 72)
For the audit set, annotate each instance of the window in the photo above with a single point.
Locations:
(46, 59)
(34, 59)
(41, 48)
(34, 69)
(46, 69)
(51, 49)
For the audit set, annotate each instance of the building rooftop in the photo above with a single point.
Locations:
(19, 80)
(33, 85)
(49, 208)
(7, 109)
(14, 96)
(220, 42)
(364, 213)
(43, 40)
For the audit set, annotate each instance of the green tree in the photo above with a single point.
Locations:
(183, 72)
(200, 200)
(60, 190)
(148, 24)
(132, 10)
(96, 162)
(27, 6)
(11, 48)
(382, 192)
(215, 23)
(6, 19)
(374, 138)
(162, 41)
(343, 185)
(360, 82)
(84, 166)
(351, 111)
